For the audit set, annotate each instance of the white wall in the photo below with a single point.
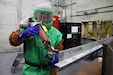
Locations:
(82, 5)
(8, 22)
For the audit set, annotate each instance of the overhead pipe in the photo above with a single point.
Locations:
(96, 10)
(71, 11)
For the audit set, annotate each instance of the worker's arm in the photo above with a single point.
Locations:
(59, 46)
(54, 56)
(17, 37)
(13, 38)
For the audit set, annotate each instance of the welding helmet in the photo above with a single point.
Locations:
(44, 14)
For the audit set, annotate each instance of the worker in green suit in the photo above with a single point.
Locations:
(36, 57)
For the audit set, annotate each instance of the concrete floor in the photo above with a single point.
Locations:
(6, 60)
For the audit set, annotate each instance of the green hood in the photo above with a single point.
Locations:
(48, 25)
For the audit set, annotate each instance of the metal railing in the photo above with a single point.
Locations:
(68, 56)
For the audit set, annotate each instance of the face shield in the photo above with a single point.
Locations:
(43, 16)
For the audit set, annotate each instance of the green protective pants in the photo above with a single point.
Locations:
(30, 70)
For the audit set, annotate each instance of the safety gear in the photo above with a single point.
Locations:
(30, 31)
(44, 14)
(13, 38)
(53, 60)
(25, 22)
(31, 70)
(35, 52)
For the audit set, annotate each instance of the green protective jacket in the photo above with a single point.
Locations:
(34, 52)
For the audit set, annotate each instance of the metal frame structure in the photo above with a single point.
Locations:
(16, 62)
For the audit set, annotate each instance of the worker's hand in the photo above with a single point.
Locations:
(53, 60)
(30, 31)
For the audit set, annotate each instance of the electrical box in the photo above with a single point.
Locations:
(71, 34)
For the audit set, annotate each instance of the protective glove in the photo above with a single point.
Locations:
(53, 60)
(30, 31)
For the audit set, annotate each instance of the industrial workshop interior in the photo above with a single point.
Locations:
(56, 37)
